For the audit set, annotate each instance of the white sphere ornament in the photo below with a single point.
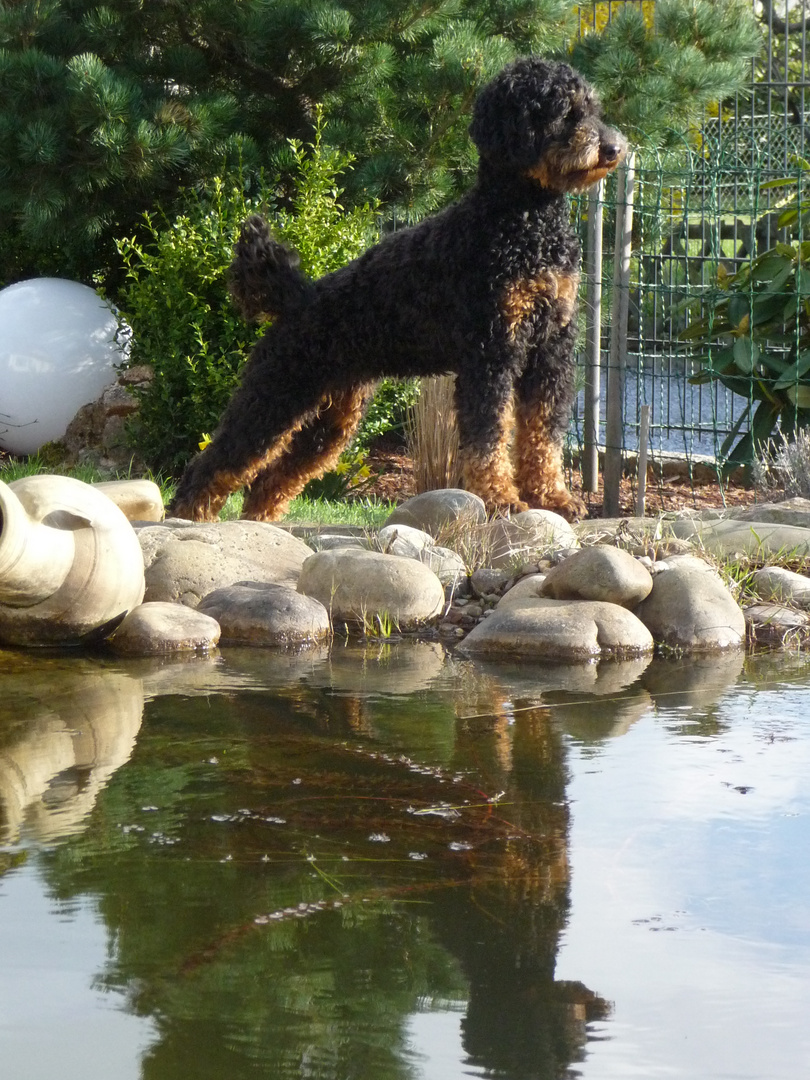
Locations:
(59, 347)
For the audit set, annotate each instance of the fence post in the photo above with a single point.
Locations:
(593, 340)
(614, 424)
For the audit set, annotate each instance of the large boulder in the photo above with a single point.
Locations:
(435, 512)
(599, 573)
(186, 561)
(360, 586)
(253, 613)
(568, 630)
(691, 610)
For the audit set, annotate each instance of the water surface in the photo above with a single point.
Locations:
(392, 863)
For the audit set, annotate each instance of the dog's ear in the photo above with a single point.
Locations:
(524, 107)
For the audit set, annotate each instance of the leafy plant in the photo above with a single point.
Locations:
(350, 476)
(756, 337)
(175, 298)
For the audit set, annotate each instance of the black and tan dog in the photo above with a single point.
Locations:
(486, 290)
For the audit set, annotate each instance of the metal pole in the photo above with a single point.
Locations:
(614, 425)
(643, 439)
(593, 340)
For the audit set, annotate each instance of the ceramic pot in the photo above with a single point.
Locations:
(70, 562)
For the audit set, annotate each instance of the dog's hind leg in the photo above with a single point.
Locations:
(311, 451)
(544, 397)
(258, 425)
(485, 418)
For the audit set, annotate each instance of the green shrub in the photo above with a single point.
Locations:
(756, 335)
(175, 297)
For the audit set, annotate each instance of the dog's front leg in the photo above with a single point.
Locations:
(485, 420)
(544, 398)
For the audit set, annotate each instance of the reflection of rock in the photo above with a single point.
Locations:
(587, 716)
(80, 726)
(397, 668)
(697, 680)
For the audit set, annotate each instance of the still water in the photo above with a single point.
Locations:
(392, 864)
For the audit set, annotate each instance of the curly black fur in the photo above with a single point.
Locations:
(485, 290)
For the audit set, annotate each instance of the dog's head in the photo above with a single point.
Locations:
(542, 120)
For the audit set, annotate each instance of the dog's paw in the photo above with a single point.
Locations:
(562, 502)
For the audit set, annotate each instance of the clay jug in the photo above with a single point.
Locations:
(70, 562)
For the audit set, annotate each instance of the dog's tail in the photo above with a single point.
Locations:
(264, 278)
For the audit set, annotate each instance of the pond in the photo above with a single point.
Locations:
(388, 863)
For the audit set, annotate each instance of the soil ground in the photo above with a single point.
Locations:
(395, 480)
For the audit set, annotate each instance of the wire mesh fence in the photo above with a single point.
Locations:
(703, 216)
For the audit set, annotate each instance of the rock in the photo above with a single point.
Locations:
(356, 586)
(254, 613)
(528, 588)
(157, 628)
(776, 583)
(756, 538)
(139, 500)
(559, 630)
(509, 543)
(488, 580)
(689, 609)
(771, 624)
(186, 561)
(404, 540)
(413, 543)
(329, 541)
(448, 567)
(436, 511)
(599, 573)
(97, 433)
(794, 511)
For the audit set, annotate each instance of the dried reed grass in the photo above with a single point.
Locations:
(433, 436)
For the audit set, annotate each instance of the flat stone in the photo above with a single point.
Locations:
(771, 624)
(156, 628)
(139, 500)
(599, 573)
(186, 561)
(255, 613)
(761, 539)
(357, 586)
(566, 630)
(329, 541)
(795, 511)
(777, 583)
(691, 610)
(435, 511)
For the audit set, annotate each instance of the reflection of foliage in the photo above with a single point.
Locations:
(277, 887)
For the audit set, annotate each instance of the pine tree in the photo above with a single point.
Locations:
(109, 110)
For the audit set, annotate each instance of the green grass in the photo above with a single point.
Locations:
(366, 513)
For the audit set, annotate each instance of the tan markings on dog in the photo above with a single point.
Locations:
(271, 492)
(539, 469)
(549, 288)
(490, 475)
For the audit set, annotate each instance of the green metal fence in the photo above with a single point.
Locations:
(700, 215)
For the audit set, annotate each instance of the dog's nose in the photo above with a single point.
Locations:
(610, 151)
